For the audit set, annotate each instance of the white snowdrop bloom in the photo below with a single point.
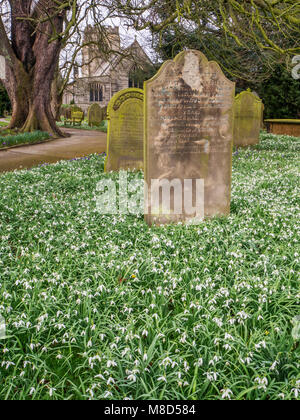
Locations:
(199, 363)
(100, 376)
(32, 390)
(51, 390)
(131, 377)
(162, 378)
(226, 393)
(89, 343)
(227, 347)
(211, 376)
(111, 363)
(110, 381)
(274, 365)
(166, 362)
(262, 344)
(107, 394)
(145, 333)
(145, 357)
(262, 382)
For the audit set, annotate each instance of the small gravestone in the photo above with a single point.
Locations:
(2, 67)
(188, 140)
(125, 131)
(248, 116)
(95, 115)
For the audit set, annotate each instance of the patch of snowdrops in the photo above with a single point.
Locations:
(104, 307)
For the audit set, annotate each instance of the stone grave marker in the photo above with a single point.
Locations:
(95, 115)
(2, 67)
(125, 131)
(188, 141)
(248, 116)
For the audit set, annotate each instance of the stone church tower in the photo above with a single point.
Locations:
(105, 73)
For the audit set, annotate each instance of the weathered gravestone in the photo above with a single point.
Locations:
(125, 134)
(248, 116)
(2, 67)
(95, 115)
(188, 138)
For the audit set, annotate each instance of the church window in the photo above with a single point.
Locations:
(96, 92)
(134, 81)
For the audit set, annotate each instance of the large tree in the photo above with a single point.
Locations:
(31, 40)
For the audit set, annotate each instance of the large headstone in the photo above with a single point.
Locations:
(95, 115)
(188, 136)
(2, 67)
(125, 115)
(248, 119)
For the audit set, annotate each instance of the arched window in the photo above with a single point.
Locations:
(134, 81)
(96, 92)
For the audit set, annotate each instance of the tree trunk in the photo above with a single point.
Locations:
(18, 87)
(31, 102)
(32, 62)
(56, 97)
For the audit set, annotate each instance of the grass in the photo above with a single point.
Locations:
(85, 126)
(104, 307)
(23, 138)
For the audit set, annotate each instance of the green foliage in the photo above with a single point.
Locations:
(22, 138)
(281, 95)
(104, 307)
(138, 75)
(4, 100)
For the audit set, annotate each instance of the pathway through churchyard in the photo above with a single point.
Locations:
(81, 143)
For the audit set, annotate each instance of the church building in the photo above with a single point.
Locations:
(101, 77)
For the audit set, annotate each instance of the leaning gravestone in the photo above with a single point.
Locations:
(95, 115)
(2, 67)
(125, 131)
(248, 115)
(188, 138)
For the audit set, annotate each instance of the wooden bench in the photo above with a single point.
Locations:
(73, 117)
(77, 117)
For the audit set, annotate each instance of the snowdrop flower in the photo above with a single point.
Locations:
(32, 391)
(226, 393)
(51, 390)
